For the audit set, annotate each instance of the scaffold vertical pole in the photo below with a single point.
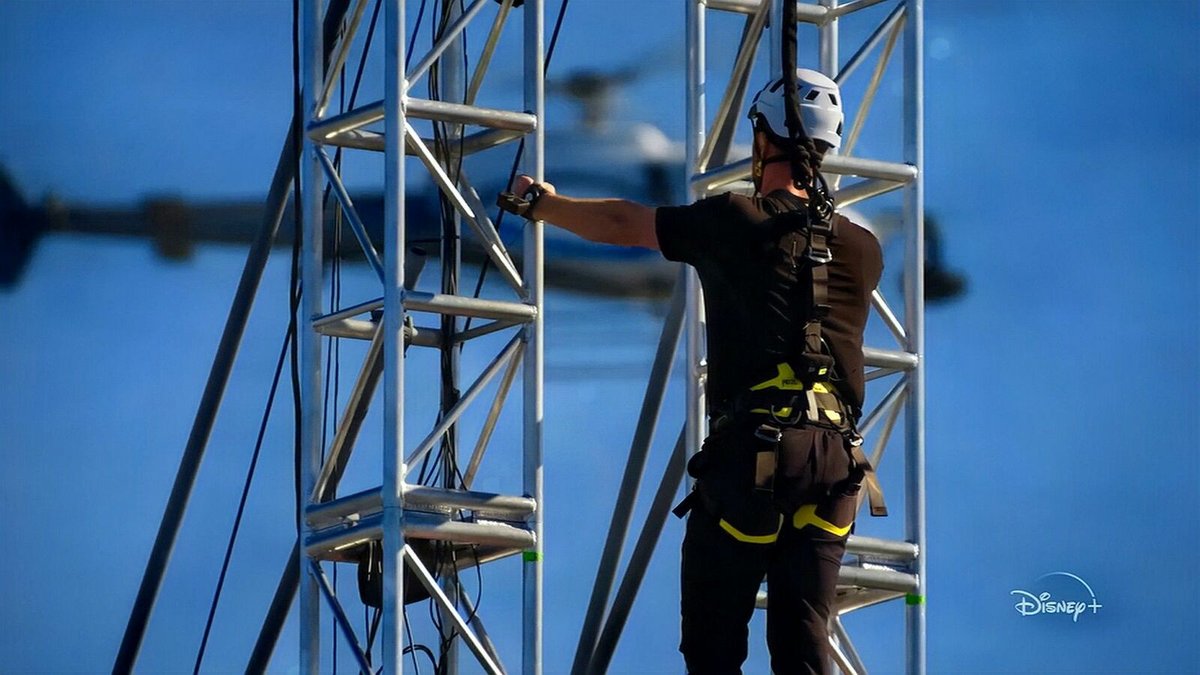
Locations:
(914, 316)
(395, 92)
(532, 572)
(310, 203)
(694, 426)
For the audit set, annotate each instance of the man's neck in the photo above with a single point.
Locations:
(778, 176)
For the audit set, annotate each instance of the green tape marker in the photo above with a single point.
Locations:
(911, 599)
(531, 556)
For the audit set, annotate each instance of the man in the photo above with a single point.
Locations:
(787, 291)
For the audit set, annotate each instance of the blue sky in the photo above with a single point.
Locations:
(1063, 159)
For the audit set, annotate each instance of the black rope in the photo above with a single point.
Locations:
(297, 234)
(805, 158)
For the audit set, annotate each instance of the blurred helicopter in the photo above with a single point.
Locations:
(600, 154)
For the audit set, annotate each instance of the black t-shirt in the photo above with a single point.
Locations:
(727, 240)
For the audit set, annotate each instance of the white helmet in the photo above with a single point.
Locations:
(820, 107)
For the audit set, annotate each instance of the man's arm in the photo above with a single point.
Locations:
(607, 221)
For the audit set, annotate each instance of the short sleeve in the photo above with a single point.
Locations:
(688, 233)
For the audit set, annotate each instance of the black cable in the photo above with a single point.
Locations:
(297, 233)
(412, 644)
(237, 521)
(412, 41)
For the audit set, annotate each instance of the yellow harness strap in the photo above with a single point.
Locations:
(807, 515)
(751, 538)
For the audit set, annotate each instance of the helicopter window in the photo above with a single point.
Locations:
(833, 99)
(812, 95)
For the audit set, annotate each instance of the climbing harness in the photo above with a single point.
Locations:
(800, 393)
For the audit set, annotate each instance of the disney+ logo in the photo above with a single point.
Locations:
(1029, 604)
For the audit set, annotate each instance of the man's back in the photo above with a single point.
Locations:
(728, 239)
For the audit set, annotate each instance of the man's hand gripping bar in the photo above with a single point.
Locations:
(530, 191)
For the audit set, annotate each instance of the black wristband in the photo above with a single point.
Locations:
(533, 194)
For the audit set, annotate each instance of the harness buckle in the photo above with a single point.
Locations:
(768, 433)
(820, 256)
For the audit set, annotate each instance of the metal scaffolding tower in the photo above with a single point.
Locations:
(877, 569)
(406, 520)
(475, 526)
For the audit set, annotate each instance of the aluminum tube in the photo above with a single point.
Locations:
(357, 329)
(450, 36)
(356, 224)
(319, 542)
(833, 164)
(493, 245)
(859, 56)
(914, 278)
(489, 48)
(485, 329)
(884, 436)
(888, 401)
(361, 139)
(450, 612)
(882, 548)
(709, 181)
(729, 109)
(327, 514)
(423, 525)
(311, 204)
(532, 572)
(877, 373)
(868, 100)
(451, 87)
(889, 317)
(394, 104)
(639, 450)
(695, 420)
(476, 622)
(827, 38)
(854, 6)
(881, 578)
(804, 11)
(438, 172)
(346, 313)
(340, 618)
(458, 113)
(489, 424)
(487, 139)
(424, 109)
(864, 189)
(861, 598)
(887, 358)
(838, 658)
(449, 417)
(875, 585)
(503, 507)
(635, 572)
(368, 503)
(334, 67)
(420, 301)
(351, 422)
(855, 661)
